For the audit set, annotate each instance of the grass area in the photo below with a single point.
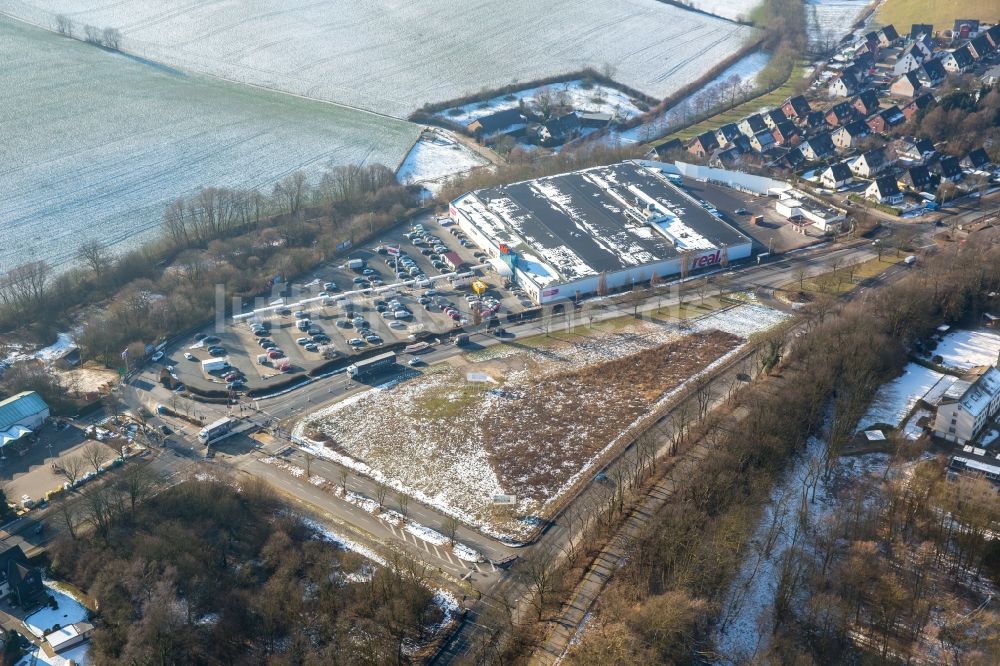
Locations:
(737, 113)
(846, 278)
(942, 15)
(449, 402)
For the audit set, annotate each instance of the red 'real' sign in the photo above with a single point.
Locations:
(550, 292)
(707, 259)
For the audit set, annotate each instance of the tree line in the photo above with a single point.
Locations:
(662, 606)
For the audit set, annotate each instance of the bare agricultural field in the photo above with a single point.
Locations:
(393, 56)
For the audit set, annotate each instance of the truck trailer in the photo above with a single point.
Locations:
(372, 365)
(216, 430)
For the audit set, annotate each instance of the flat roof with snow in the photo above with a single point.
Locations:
(599, 220)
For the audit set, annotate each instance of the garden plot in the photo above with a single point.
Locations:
(582, 96)
(96, 144)
(894, 401)
(68, 611)
(963, 350)
(393, 57)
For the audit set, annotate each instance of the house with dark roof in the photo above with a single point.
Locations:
(848, 136)
(843, 85)
(664, 151)
(958, 60)
(918, 179)
(836, 176)
(817, 147)
(863, 64)
(965, 28)
(980, 47)
(703, 144)
(20, 583)
(909, 60)
(866, 102)
(919, 103)
(950, 169)
(725, 134)
(917, 150)
(773, 117)
(884, 190)
(993, 34)
(794, 159)
(762, 141)
(932, 72)
(507, 122)
(796, 107)
(752, 125)
(814, 119)
(906, 86)
(870, 164)
(840, 114)
(786, 133)
(885, 119)
(559, 130)
(977, 160)
(918, 29)
(887, 35)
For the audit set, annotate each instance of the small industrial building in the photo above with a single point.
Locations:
(796, 205)
(967, 406)
(596, 230)
(20, 416)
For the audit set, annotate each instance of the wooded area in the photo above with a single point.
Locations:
(662, 606)
(210, 573)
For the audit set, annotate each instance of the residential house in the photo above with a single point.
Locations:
(842, 85)
(762, 141)
(725, 158)
(665, 151)
(558, 131)
(885, 119)
(918, 179)
(864, 62)
(814, 119)
(919, 103)
(966, 406)
(917, 150)
(841, 114)
(752, 124)
(836, 176)
(595, 120)
(887, 36)
(794, 159)
(925, 45)
(796, 108)
(725, 134)
(703, 144)
(507, 122)
(773, 117)
(20, 583)
(950, 169)
(884, 190)
(906, 86)
(991, 76)
(932, 72)
(909, 60)
(965, 28)
(848, 136)
(870, 164)
(918, 30)
(977, 160)
(742, 144)
(817, 147)
(866, 103)
(786, 134)
(958, 60)
(980, 47)
(993, 34)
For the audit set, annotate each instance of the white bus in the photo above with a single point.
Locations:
(216, 430)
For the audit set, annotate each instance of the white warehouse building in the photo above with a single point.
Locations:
(562, 236)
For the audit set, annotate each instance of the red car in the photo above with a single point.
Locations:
(275, 353)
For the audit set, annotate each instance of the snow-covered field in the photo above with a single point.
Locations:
(393, 56)
(67, 611)
(436, 157)
(96, 144)
(730, 9)
(827, 21)
(597, 98)
(440, 437)
(964, 350)
(895, 400)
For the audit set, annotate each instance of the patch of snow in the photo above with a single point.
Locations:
(69, 610)
(912, 431)
(965, 349)
(346, 544)
(742, 320)
(78, 655)
(432, 161)
(894, 400)
(730, 9)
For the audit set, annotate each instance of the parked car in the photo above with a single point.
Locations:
(329, 286)
(373, 339)
(397, 324)
(189, 356)
(299, 314)
(414, 362)
(232, 377)
(275, 353)
(321, 338)
(741, 211)
(165, 430)
(356, 342)
(284, 312)
(217, 351)
(301, 341)
(199, 336)
(211, 339)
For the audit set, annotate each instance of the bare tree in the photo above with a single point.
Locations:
(95, 255)
(92, 34)
(138, 483)
(403, 501)
(540, 576)
(344, 476)
(381, 490)
(309, 459)
(111, 38)
(64, 26)
(71, 468)
(67, 511)
(449, 527)
(93, 453)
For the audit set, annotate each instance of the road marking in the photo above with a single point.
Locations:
(448, 555)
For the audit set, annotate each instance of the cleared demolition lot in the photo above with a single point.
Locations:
(525, 419)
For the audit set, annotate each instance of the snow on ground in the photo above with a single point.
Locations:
(414, 52)
(964, 350)
(597, 98)
(912, 431)
(68, 611)
(97, 144)
(435, 158)
(742, 320)
(343, 542)
(17, 354)
(730, 9)
(894, 400)
(989, 437)
(79, 656)
(827, 21)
